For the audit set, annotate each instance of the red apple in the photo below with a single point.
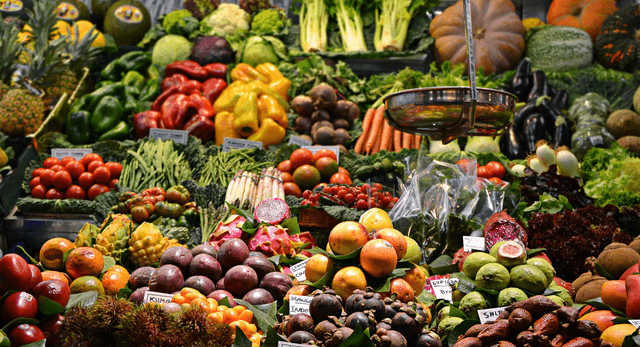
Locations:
(56, 290)
(15, 273)
(51, 329)
(18, 304)
(36, 276)
(24, 334)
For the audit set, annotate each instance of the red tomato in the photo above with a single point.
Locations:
(46, 177)
(484, 172)
(96, 190)
(340, 178)
(497, 181)
(496, 169)
(39, 192)
(113, 182)
(66, 160)
(34, 182)
(343, 170)
(85, 180)
(36, 172)
(89, 158)
(324, 153)
(362, 204)
(463, 161)
(299, 157)
(94, 165)
(114, 168)
(101, 174)
(75, 169)
(54, 193)
(57, 168)
(285, 166)
(75, 192)
(49, 162)
(62, 180)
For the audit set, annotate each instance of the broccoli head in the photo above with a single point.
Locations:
(201, 8)
(268, 21)
(174, 20)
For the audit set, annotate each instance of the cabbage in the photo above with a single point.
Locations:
(170, 48)
(261, 49)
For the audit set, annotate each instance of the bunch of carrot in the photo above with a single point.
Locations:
(377, 135)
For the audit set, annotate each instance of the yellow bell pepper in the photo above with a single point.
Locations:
(246, 73)
(245, 120)
(268, 107)
(270, 133)
(262, 89)
(276, 80)
(230, 96)
(224, 127)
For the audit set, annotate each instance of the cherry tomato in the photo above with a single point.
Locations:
(34, 182)
(62, 180)
(483, 172)
(88, 158)
(362, 204)
(49, 162)
(364, 188)
(113, 182)
(57, 168)
(463, 161)
(314, 197)
(306, 194)
(75, 192)
(39, 192)
(335, 189)
(101, 174)
(85, 180)
(305, 203)
(372, 203)
(66, 160)
(340, 178)
(75, 169)
(96, 190)
(497, 181)
(326, 189)
(362, 196)
(94, 165)
(350, 198)
(54, 193)
(496, 169)
(37, 172)
(46, 177)
(114, 168)
(341, 194)
(386, 201)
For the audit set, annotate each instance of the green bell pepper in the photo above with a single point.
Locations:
(183, 222)
(134, 80)
(82, 104)
(135, 61)
(99, 94)
(192, 216)
(78, 127)
(112, 72)
(107, 114)
(130, 105)
(153, 73)
(119, 132)
(150, 91)
(104, 83)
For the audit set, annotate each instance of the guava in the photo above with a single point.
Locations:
(446, 326)
(511, 253)
(529, 278)
(510, 295)
(493, 276)
(494, 249)
(558, 300)
(563, 293)
(471, 303)
(474, 262)
(543, 265)
(444, 313)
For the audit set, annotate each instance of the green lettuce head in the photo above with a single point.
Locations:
(261, 49)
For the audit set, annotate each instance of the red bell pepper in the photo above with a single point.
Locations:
(143, 122)
(203, 106)
(157, 104)
(188, 68)
(174, 111)
(173, 80)
(217, 70)
(201, 127)
(189, 87)
(212, 88)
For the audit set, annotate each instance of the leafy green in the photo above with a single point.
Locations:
(598, 159)
(343, 213)
(612, 176)
(32, 205)
(548, 204)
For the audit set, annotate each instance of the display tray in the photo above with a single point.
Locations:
(369, 67)
(11, 185)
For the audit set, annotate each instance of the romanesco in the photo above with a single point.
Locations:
(228, 19)
(268, 22)
(174, 20)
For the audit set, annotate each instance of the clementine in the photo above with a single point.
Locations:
(84, 261)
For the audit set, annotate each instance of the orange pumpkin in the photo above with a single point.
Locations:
(498, 35)
(587, 15)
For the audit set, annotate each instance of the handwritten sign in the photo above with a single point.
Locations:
(299, 270)
(299, 304)
(334, 149)
(230, 143)
(177, 136)
(297, 140)
(443, 288)
(471, 243)
(75, 153)
(289, 344)
(490, 314)
(635, 322)
(157, 297)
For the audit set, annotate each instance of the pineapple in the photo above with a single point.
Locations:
(85, 235)
(9, 49)
(21, 112)
(146, 245)
(113, 240)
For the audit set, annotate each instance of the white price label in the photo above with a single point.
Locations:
(299, 270)
(490, 314)
(299, 304)
(289, 344)
(334, 149)
(635, 322)
(230, 143)
(443, 288)
(157, 297)
(177, 136)
(297, 140)
(472, 243)
(75, 153)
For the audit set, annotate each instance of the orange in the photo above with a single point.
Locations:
(416, 279)
(85, 284)
(113, 281)
(300, 289)
(378, 258)
(347, 280)
(347, 237)
(120, 269)
(396, 239)
(52, 253)
(614, 294)
(615, 334)
(84, 261)
(602, 318)
(402, 289)
(318, 266)
(375, 219)
(55, 275)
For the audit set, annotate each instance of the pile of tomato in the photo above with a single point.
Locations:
(361, 197)
(68, 178)
(493, 171)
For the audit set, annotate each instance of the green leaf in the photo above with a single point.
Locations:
(265, 319)
(460, 329)
(488, 291)
(33, 261)
(284, 309)
(465, 284)
(531, 252)
(343, 213)
(18, 321)
(241, 339)
(85, 299)
(109, 262)
(621, 320)
(631, 340)
(352, 255)
(426, 298)
(325, 280)
(548, 292)
(224, 302)
(125, 292)
(455, 312)
(66, 255)
(292, 225)
(603, 272)
(597, 303)
(5, 295)
(47, 306)
(358, 338)
(272, 338)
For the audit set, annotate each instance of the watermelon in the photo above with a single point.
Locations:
(559, 48)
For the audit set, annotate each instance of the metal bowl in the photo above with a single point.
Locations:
(447, 112)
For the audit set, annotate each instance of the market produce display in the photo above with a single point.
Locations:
(229, 175)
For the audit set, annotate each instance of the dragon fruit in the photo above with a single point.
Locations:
(427, 284)
(272, 211)
(272, 240)
(228, 229)
(501, 227)
(460, 257)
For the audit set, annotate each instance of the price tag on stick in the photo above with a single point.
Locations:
(299, 304)
(490, 315)
(75, 153)
(177, 136)
(471, 243)
(157, 297)
(230, 143)
(297, 140)
(299, 270)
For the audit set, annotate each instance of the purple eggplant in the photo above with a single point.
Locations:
(533, 130)
(539, 85)
(521, 82)
(562, 133)
(512, 144)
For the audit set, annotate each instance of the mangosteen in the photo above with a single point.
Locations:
(428, 339)
(395, 339)
(212, 49)
(324, 305)
(358, 318)
(371, 302)
(299, 322)
(301, 337)
(403, 323)
(323, 328)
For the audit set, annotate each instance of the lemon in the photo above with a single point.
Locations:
(3, 158)
(99, 41)
(375, 219)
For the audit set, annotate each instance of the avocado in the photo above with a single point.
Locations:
(16, 8)
(72, 10)
(100, 7)
(127, 21)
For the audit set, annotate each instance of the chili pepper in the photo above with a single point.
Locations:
(216, 70)
(173, 80)
(141, 209)
(202, 105)
(229, 97)
(99, 94)
(269, 133)
(178, 194)
(172, 107)
(135, 61)
(119, 132)
(155, 193)
(107, 114)
(212, 88)
(130, 104)
(183, 222)
(133, 80)
(224, 127)
(200, 127)
(245, 114)
(246, 73)
(150, 91)
(143, 122)
(187, 67)
(168, 209)
(78, 127)
(82, 104)
(269, 107)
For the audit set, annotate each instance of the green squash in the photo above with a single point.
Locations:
(72, 10)
(559, 48)
(618, 45)
(127, 21)
(100, 7)
(16, 8)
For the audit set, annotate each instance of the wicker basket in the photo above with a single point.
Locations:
(313, 218)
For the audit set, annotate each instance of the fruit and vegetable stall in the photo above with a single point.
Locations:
(207, 173)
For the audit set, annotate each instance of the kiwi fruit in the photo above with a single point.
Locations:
(631, 143)
(617, 258)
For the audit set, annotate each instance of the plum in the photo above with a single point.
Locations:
(232, 252)
(140, 277)
(204, 248)
(277, 283)
(221, 293)
(261, 265)
(258, 296)
(178, 256)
